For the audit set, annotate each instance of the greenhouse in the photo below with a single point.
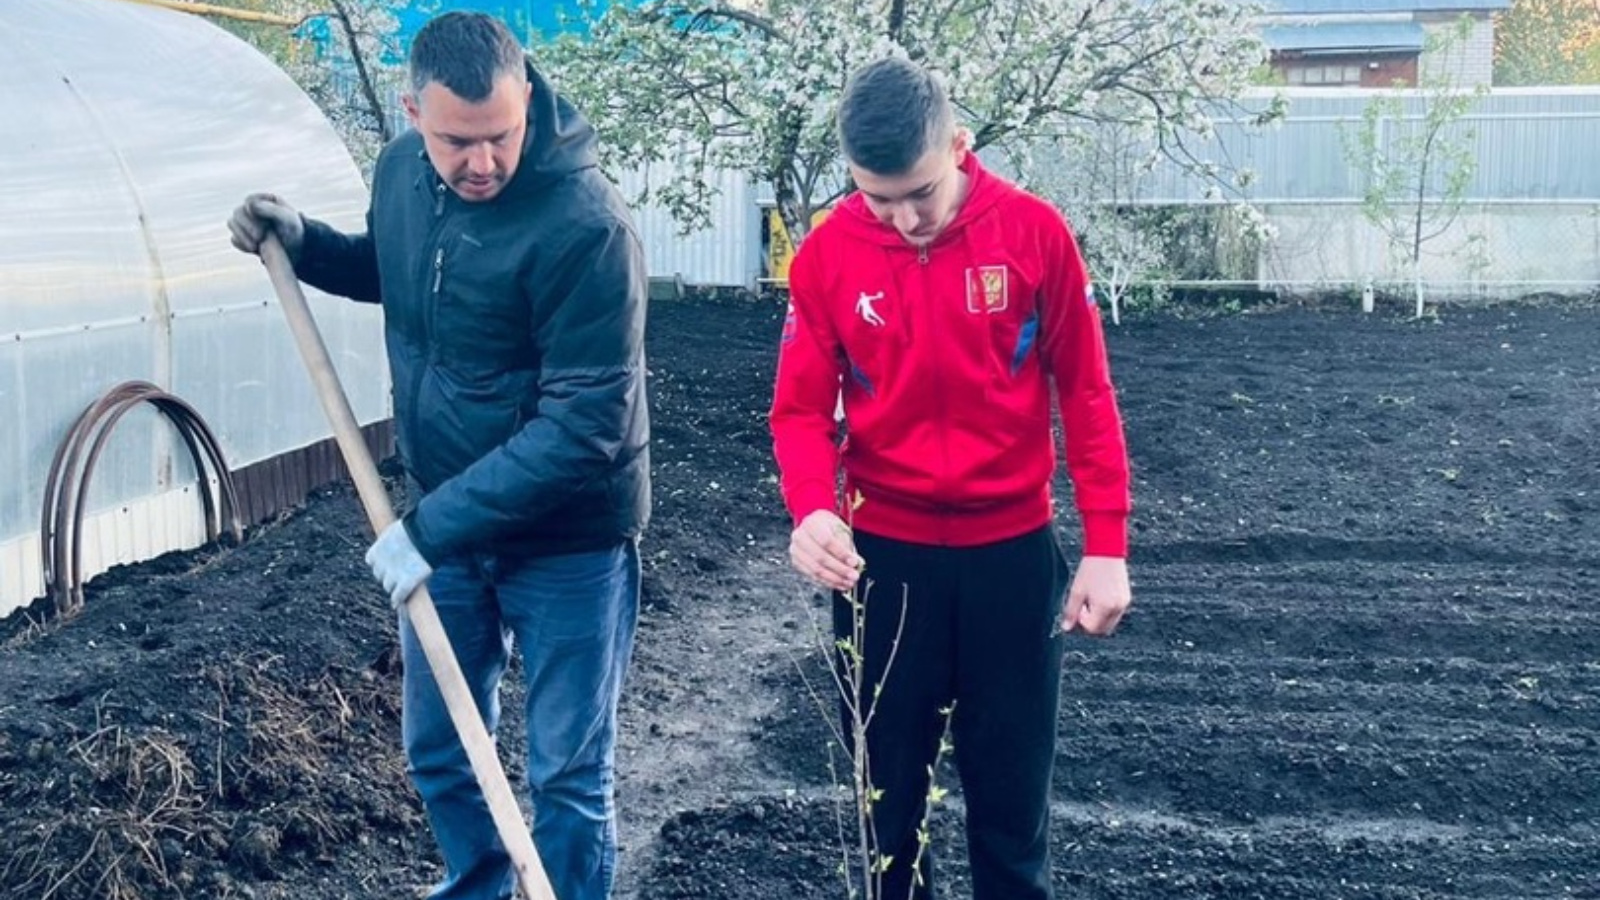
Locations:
(139, 130)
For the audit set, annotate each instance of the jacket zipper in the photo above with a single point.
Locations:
(941, 402)
(431, 301)
(438, 269)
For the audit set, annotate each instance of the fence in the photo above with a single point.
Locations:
(1490, 249)
(1528, 219)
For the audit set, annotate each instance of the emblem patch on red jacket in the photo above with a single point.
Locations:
(988, 289)
(865, 309)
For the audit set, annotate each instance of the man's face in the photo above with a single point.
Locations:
(922, 201)
(474, 146)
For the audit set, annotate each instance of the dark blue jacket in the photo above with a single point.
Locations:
(515, 331)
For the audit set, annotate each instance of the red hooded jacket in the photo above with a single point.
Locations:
(946, 356)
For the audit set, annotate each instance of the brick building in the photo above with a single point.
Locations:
(1377, 43)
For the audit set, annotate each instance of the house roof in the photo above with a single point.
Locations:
(1326, 37)
(1310, 7)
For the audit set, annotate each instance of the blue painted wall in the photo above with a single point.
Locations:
(1299, 7)
(530, 20)
(527, 18)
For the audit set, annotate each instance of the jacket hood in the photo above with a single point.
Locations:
(559, 140)
(984, 190)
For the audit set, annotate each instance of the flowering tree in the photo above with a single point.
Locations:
(350, 78)
(753, 87)
(1095, 176)
(1548, 42)
(1583, 46)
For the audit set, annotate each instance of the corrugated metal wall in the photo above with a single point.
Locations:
(728, 254)
(1530, 144)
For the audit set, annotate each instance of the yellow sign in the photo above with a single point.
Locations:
(780, 249)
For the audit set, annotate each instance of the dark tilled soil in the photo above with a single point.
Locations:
(1362, 662)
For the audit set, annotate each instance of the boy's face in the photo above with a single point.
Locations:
(922, 201)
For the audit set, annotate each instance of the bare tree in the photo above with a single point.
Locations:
(1418, 158)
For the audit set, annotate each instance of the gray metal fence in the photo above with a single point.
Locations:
(1528, 219)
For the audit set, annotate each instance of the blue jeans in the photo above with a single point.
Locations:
(573, 617)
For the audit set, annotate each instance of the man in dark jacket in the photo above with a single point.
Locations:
(513, 287)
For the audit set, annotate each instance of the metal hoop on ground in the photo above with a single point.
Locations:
(67, 483)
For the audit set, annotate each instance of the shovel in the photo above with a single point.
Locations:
(424, 618)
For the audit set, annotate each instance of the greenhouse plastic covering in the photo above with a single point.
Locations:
(133, 132)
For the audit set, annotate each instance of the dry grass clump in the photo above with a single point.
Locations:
(286, 767)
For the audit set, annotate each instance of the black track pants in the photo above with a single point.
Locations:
(973, 625)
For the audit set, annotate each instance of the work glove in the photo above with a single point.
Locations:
(263, 213)
(396, 564)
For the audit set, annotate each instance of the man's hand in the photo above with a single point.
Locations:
(822, 549)
(263, 213)
(1099, 595)
(397, 565)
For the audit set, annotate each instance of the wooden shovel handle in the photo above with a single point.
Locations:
(424, 618)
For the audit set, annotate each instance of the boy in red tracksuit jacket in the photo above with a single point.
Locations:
(944, 302)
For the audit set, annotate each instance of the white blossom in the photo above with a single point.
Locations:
(755, 88)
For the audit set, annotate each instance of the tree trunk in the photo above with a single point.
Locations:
(1416, 277)
(369, 91)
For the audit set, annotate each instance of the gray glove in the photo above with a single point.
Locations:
(261, 213)
(397, 565)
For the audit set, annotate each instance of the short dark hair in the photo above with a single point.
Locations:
(467, 52)
(893, 111)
